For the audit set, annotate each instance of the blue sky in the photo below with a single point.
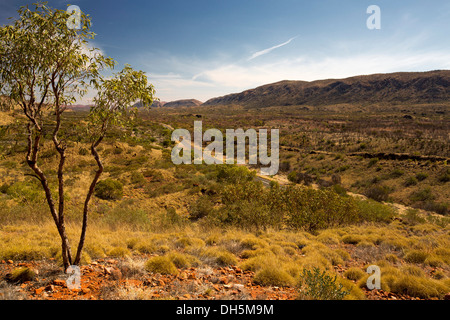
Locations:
(207, 48)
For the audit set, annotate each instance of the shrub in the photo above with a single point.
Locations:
(285, 166)
(321, 286)
(24, 191)
(161, 264)
(220, 257)
(109, 189)
(444, 176)
(201, 208)
(83, 151)
(370, 210)
(413, 217)
(119, 252)
(378, 193)
(273, 277)
(226, 259)
(181, 260)
(336, 179)
(351, 239)
(396, 173)
(340, 190)
(416, 256)
(421, 176)
(234, 174)
(440, 208)
(354, 274)
(137, 179)
(413, 271)
(155, 175)
(185, 242)
(411, 181)
(418, 287)
(421, 195)
(372, 162)
(391, 258)
(118, 150)
(309, 209)
(20, 275)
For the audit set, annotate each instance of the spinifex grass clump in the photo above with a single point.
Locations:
(321, 286)
(20, 275)
(163, 265)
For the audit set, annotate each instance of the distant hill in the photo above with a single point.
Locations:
(177, 103)
(79, 107)
(403, 87)
(183, 103)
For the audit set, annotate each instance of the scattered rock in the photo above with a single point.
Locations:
(58, 282)
(223, 280)
(238, 286)
(50, 288)
(192, 276)
(39, 290)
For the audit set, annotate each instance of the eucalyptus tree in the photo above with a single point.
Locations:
(45, 66)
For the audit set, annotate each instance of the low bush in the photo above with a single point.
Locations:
(20, 275)
(321, 286)
(378, 193)
(109, 189)
(273, 277)
(411, 181)
(421, 176)
(416, 256)
(373, 211)
(161, 264)
(354, 274)
(424, 194)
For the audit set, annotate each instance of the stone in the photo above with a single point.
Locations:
(223, 280)
(116, 274)
(447, 296)
(9, 261)
(39, 290)
(238, 286)
(57, 282)
(50, 288)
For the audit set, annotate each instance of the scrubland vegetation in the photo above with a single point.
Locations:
(316, 237)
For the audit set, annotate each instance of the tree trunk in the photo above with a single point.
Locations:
(88, 198)
(33, 150)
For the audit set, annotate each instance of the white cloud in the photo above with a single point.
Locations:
(236, 76)
(265, 51)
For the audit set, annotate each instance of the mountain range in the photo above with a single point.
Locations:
(392, 88)
(400, 87)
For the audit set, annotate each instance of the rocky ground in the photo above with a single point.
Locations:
(110, 279)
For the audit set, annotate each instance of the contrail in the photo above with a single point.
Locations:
(265, 51)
